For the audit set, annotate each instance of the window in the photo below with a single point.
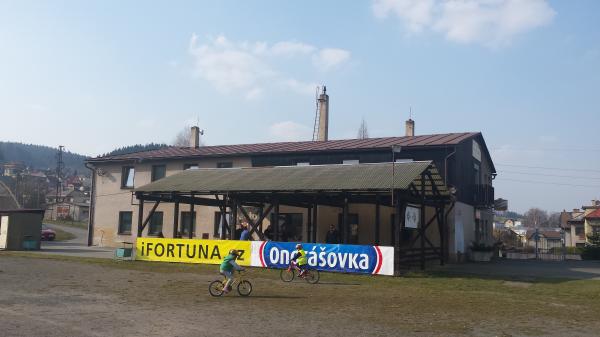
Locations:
(188, 221)
(477, 174)
(352, 224)
(127, 177)
(158, 172)
(225, 164)
(579, 230)
(350, 161)
(125, 222)
(156, 223)
(190, 166)
(218, 223)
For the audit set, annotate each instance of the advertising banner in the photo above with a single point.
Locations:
(327, 257)
(191, 251)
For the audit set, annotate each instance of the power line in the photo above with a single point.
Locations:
(549, 183)
(545, 149)
(550, 175)
(549, 168)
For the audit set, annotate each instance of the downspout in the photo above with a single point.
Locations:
(90, 235)
(446, 165)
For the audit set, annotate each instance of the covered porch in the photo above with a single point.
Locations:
(381, 186)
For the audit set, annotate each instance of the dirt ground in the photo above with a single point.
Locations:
(52, 296)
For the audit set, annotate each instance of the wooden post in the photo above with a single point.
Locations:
(176, 220)
(397, 234)
(223, 219)
(422, 222)
(309, 224)
(233, 224)
(345, 221)
(442, 226)
(192, 218)
(314, 221)
(275, 221)
(377, 219)
(140, 216)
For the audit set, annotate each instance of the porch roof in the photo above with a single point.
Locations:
(314, 178)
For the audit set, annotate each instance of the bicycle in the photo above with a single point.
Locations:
(244, 287)
(310, 275)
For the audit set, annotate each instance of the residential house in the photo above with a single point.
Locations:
(462, 159)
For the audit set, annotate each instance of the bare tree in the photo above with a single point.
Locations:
(535, 217)
(363, 133)
(184, 136)
(554, 219)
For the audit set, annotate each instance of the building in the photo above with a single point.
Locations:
(13, 169)
(544, 239)
(70, 205)
(462, 159)
(573, 225)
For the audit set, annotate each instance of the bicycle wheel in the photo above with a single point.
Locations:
(244, 288)
(287, 275)
(312, 276)
(216, 288)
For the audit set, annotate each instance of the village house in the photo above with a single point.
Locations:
(462, 159)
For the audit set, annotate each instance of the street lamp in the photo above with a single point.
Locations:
(395, 149)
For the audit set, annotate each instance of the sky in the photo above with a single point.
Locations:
(97, 75)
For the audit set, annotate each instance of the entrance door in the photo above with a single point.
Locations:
(459, 236)
(3, 231)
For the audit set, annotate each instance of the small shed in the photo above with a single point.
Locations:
(20, 229)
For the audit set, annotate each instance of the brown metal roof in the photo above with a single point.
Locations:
(293, 147)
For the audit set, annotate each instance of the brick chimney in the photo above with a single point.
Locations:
(323, 133)
(195, 137)
(410, 128)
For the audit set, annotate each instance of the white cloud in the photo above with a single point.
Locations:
(329, 58)
(493, 23)
(290, 131)
(249, 67)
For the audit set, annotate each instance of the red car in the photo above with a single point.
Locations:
(48, 234)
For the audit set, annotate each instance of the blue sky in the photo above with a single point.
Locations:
(96, 75)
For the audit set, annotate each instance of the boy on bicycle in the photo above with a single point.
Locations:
(299, 256)
(228, 266)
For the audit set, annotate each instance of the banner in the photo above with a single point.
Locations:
(327, 257)
(270, 254)
(191, 251)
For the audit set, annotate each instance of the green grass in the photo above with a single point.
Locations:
(75, 224)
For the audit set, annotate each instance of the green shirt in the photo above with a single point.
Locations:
(225, 265)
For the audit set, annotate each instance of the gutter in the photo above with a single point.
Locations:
(90, 236)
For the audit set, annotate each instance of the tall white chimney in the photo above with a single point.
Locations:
(410, 128)
(195, 137)
(323, 116)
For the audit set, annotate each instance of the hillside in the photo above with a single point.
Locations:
(39, 157)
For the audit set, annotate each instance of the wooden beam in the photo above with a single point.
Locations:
(192, 219)
(377, 220)
(254, 225)
(140, 216)
(315, 226)
(149, 216)
(345, 225)
(275, 221)
(422, 221)
(233, 224)
(176, 220)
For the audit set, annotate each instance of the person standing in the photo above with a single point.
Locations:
(333, 236)
(245, 235)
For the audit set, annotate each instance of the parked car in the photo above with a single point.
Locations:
(48, 234)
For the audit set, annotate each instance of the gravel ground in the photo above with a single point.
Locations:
(58, 297)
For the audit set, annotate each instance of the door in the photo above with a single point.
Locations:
(459, 236)
(3, 231)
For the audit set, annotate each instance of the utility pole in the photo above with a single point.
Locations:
(59, 168)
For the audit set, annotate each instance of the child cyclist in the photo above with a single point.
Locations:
(299, 256)
(228, 266)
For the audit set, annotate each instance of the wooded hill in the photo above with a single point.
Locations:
(39, 157)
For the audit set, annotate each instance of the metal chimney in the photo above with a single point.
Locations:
(323, 116)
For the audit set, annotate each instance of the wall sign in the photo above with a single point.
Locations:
(412, 217)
